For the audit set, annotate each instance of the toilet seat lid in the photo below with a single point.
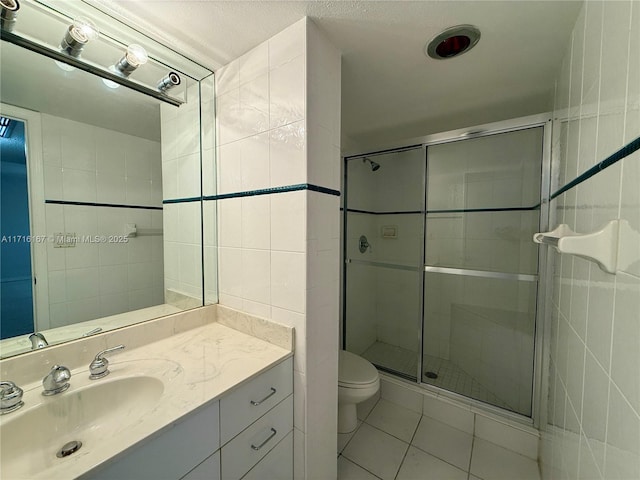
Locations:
(355, 370)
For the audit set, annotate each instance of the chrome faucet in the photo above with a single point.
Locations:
(38, 341)
(99, 367)
(56, 381)
(10, 397)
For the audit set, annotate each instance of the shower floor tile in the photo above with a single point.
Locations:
(450, 376)
(453, 378)
(394, 358)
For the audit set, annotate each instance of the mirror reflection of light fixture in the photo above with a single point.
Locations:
(168, 82)
(8, 13)
(79, 33)
(64, 66)
(110, 83)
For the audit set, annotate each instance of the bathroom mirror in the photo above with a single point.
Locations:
(100, 195)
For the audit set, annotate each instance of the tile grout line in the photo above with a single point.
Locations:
(473, 441)
(353, 434)
(358, 465)
(408, 447)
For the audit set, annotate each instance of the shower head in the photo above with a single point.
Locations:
(374, 166)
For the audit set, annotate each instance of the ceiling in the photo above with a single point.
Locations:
(390, 89)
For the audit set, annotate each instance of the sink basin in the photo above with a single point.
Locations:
(91, 413)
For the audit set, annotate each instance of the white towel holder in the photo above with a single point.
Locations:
(614, 247)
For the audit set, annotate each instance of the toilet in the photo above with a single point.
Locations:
(358, 380)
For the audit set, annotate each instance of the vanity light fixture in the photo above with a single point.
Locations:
(8, 13)
(79, 33)
(168, 82)
(132, 59)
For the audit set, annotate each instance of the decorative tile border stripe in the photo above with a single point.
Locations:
(480, 210)
(369, 212)
(182, 200)
(94, 204)
(625, 151)
(460, 210)
(274, 190)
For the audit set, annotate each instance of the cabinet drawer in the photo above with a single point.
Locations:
(170, 455)
(243, 406)
(277, 464)
(245, 450)
(207, 470)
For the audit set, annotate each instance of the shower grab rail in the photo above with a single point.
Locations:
(482, 273)
(396, 266)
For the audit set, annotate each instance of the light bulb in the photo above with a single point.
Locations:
(78, 35)
(136, 55)
(132, 59)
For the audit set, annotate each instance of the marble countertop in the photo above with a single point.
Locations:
(196, 367)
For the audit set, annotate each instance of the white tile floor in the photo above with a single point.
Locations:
(394, 443)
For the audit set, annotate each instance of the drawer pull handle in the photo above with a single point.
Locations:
(273, 434)
(255, 404)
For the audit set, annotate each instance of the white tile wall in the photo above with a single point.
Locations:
(593, 424)
(278, 255)
(90, 164)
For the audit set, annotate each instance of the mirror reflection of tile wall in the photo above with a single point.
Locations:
(181, 183)
(84, 163)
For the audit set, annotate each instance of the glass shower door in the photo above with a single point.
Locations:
(384, 232)
(481, 267)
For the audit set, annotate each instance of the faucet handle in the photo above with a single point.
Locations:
(56, 381)
(99, 367)
(10, 397)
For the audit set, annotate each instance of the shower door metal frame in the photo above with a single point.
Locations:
(418, 268)
(542, 328)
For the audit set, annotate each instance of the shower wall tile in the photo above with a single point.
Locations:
(593, 424)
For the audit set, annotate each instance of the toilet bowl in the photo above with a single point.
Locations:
(358, 380)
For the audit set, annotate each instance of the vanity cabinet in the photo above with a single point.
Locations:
(247, 434)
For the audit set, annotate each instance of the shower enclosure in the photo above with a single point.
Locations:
(441, 273)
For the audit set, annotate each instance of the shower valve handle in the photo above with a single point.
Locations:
(363, 244)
